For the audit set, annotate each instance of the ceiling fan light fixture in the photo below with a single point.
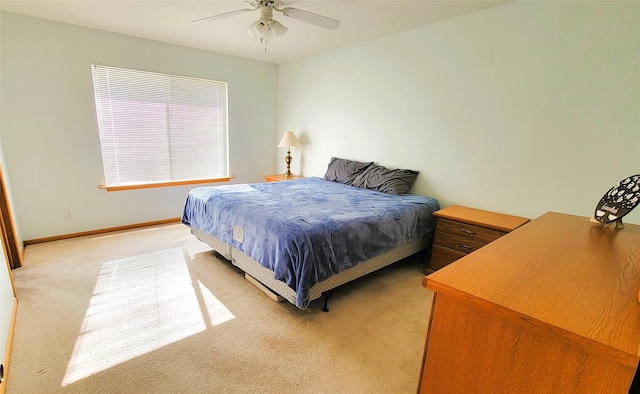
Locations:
(260, 28)
(266, 29)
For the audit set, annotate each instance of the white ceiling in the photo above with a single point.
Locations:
(171, 22)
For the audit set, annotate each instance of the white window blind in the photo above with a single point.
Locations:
(157, 128)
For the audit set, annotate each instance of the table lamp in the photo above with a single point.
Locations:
(288, 140)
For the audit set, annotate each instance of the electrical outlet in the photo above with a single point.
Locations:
(67, 214)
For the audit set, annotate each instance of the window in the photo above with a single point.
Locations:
(158, 129)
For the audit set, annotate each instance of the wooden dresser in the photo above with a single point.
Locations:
(463, 230)
(549, 308)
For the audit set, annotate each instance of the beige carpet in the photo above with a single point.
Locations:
(154, 311)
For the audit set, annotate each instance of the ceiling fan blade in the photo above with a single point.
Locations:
(225, 14)
(310, 17)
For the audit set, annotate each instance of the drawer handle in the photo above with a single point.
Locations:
(464, 230)
(465, 246)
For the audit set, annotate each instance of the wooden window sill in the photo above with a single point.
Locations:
(115, 188)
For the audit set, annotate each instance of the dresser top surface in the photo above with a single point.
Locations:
(562, 270)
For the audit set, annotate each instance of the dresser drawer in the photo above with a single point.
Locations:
(467, 231)
(462, 244)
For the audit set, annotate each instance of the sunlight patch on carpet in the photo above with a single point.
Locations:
(195, 248)
(141, 304)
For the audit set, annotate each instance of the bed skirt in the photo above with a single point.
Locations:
(265, 275)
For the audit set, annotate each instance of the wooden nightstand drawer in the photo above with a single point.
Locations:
(468, 231)
(461, 244)
(441, 256)
(463, 230)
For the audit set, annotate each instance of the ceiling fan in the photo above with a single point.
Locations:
(266, 29)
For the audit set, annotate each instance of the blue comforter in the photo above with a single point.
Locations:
(306, 230)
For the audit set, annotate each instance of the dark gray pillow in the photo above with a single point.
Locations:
(345, 171)
(397, 182)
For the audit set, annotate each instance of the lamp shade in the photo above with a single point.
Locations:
(289, 139)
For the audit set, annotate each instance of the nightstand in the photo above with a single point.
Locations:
(280, 177)
(463, 230)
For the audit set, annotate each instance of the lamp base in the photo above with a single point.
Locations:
(287, 159)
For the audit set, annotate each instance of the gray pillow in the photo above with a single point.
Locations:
(345, 171)
(379, 178)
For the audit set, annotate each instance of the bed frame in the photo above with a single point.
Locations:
(266, 281)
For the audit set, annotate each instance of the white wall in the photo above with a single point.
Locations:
(524, 108)
(49, 132)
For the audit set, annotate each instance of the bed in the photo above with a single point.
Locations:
(301, 238)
